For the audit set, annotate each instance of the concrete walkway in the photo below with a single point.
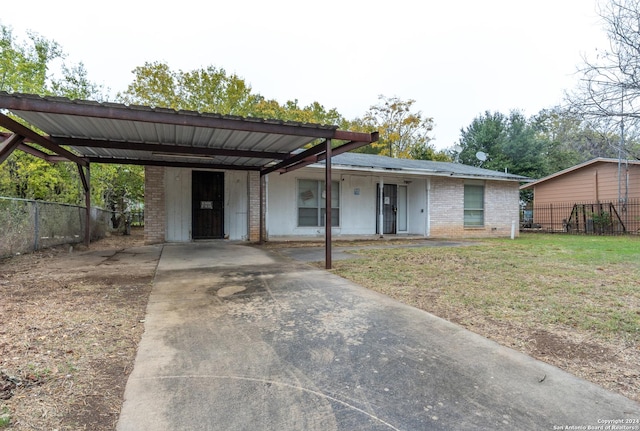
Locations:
(238, 338)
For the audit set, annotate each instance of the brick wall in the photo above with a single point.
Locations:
(502, 207)
(254, 206)
(446, 207)
(501, 200)
(154, 205)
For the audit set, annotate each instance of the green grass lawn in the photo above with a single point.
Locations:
(585, 283)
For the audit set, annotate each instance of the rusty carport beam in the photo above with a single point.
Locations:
(309, 153)
(85, 177)
(15, 127)
(9, 145)
(26, 148)
(168, 149)
(345, 135)
(334, 152)
(37, 153)
(168, 163)
(166, 116)
(318, 152)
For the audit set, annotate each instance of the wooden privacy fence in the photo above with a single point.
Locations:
(591, 218)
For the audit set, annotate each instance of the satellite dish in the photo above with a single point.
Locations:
(481, 155)
(457, 148)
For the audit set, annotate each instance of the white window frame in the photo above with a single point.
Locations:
(474, 208)
(311, 197)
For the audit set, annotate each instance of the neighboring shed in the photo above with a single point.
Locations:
(585, 195)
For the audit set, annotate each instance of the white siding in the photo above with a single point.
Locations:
(178, 201)
(236, 208)
(357, 203)
(178, 205)
(444, 217)
(417, 207)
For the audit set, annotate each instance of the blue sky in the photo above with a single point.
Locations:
(456, 59)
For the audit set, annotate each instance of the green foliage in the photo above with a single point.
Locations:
(572, 140)
(204, 90)
(403, 132)
(486, 133)
(212, 90)
(532, 148)
(291, 111)
(5, 417)
(75, 84)
(428, 152)
(532, 280)
(24, 67)
(117, 187)
(28, 177)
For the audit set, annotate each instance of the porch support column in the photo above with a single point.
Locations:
(327, 217)
(381, 206)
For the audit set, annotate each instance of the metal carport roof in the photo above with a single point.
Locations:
(97, 132)
(116, 133)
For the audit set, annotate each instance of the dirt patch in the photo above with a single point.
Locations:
(70, 322)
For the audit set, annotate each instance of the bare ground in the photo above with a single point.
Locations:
(70, 323)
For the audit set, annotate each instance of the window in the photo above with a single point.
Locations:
(312, 203)
(473, 205)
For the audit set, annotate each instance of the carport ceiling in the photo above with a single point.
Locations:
(125, 134)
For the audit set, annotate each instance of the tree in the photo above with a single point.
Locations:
(291, 111)
(485, 134)
(608, 96)
(403, 133)
(118, 188)
(203, 90)
(572, 140)
(212, 90)
(24, 66)
(27, 67)
(509, 143)
(75, 84)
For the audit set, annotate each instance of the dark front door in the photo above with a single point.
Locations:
(207, 200)
(389, 209)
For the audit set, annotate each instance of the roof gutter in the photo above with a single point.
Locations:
(416, 172)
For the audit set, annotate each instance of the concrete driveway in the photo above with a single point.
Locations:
(238, 338)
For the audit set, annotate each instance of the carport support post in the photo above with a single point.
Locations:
(327, 217)
(85, 177)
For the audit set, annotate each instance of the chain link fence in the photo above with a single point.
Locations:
(29, 225)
